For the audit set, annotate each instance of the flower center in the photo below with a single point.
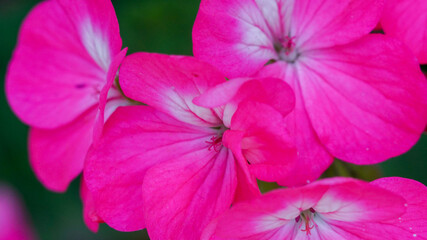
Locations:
(285, 48)
(215, 141)
(306, 220)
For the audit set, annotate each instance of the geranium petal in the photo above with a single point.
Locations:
(271, 215)
(13, 220)
(186, 193)
(109, 94)
(367, 100)
(313, 158)
(240, 37)
(413, 222)
(226, 97)
(276, 215)
(61, 60)
(358, 201)
(209, 231)
(266, 144)
(170, 83)
(57, 156)
(406, 20)
(234, 36)
(135, 138)
(319, 23)
(98, 28)
(247, 186)
(90, 215)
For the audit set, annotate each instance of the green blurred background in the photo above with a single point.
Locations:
(162, 26)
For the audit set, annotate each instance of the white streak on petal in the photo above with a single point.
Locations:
(96, 44)
(113, 104)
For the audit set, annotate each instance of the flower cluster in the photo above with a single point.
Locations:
(276, 89)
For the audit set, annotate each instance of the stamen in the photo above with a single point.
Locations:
(285, 48)
(307, 218)
(307, 225)
(215, 143)
(288, 44)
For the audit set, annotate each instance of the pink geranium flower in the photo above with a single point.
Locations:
(13, 220)
(189, 149)
(55, 79)
(338, 208)
(360, 97)
(60, 81)
(406, 20)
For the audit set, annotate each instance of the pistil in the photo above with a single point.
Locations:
(286, 49)
(288, 44)
(306, 218)
(215, 142)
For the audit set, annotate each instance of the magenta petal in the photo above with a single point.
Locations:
(170, 83)
(408, 224)
(374, 212)
(240, 37)
(98, 28)
(313, 158)
(90, 215)
(367, 100)
(183, 195)
(13, 220)
(414, 221)
(406, 20)
(104, 95)
(278, 94)
(338, 208)
(57, 156)
(209, 231)
(320, 24)
(135, 138)
(228, 95)
(268, 216)
(233, 36)
(39, 99)
(247, 186)
(358, 201)
(60, 63)
(110, 106)
(223, 93)
(266, 144)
